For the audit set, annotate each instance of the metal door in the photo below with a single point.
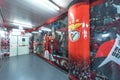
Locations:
(13, 45)
(23, 45)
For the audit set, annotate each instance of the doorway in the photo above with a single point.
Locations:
(19, 45)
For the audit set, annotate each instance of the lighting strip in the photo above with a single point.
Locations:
(55, 4)
(51, 4)
(47, 4)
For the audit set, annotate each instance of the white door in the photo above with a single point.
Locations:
(23, 45)
(13, 45)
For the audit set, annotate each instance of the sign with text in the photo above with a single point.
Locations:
(114, 54)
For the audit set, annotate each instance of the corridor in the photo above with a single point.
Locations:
(29, 67)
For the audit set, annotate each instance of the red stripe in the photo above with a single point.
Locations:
(105, 48)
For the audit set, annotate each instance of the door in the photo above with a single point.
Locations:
(13, 45)
(23, 45)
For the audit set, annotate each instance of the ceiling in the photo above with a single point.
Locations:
(30, 12)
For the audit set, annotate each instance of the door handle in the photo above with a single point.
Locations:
(23, 45)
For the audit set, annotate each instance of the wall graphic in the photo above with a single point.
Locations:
(105, 41)
(78, 41)
(51, 42)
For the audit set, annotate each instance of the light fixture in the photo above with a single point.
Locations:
(34, 32)
(20, 27)
(63, 3)
(44, 3)
(45, 29)
(23, 24)
(53, 5)
(17, 30)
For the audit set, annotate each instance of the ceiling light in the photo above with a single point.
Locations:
(51, 4)
(23, 24)
(63, 3)
(17, 30)
(45, 29)
(20, 27)
(44, 3)
(35, 32)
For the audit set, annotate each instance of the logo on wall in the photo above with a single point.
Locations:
(74, 35)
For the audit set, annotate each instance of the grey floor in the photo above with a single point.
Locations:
(29, 67)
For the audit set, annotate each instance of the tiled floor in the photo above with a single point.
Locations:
(29, 67)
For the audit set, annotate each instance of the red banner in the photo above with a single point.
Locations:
(79, 39)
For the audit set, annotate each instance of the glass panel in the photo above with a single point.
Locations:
(51, 42)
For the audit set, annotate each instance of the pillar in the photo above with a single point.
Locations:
(79, 41)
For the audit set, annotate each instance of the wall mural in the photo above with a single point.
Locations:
(105, 41)
(51, 42)
(4, 39)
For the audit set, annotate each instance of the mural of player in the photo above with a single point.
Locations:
(48, 46)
